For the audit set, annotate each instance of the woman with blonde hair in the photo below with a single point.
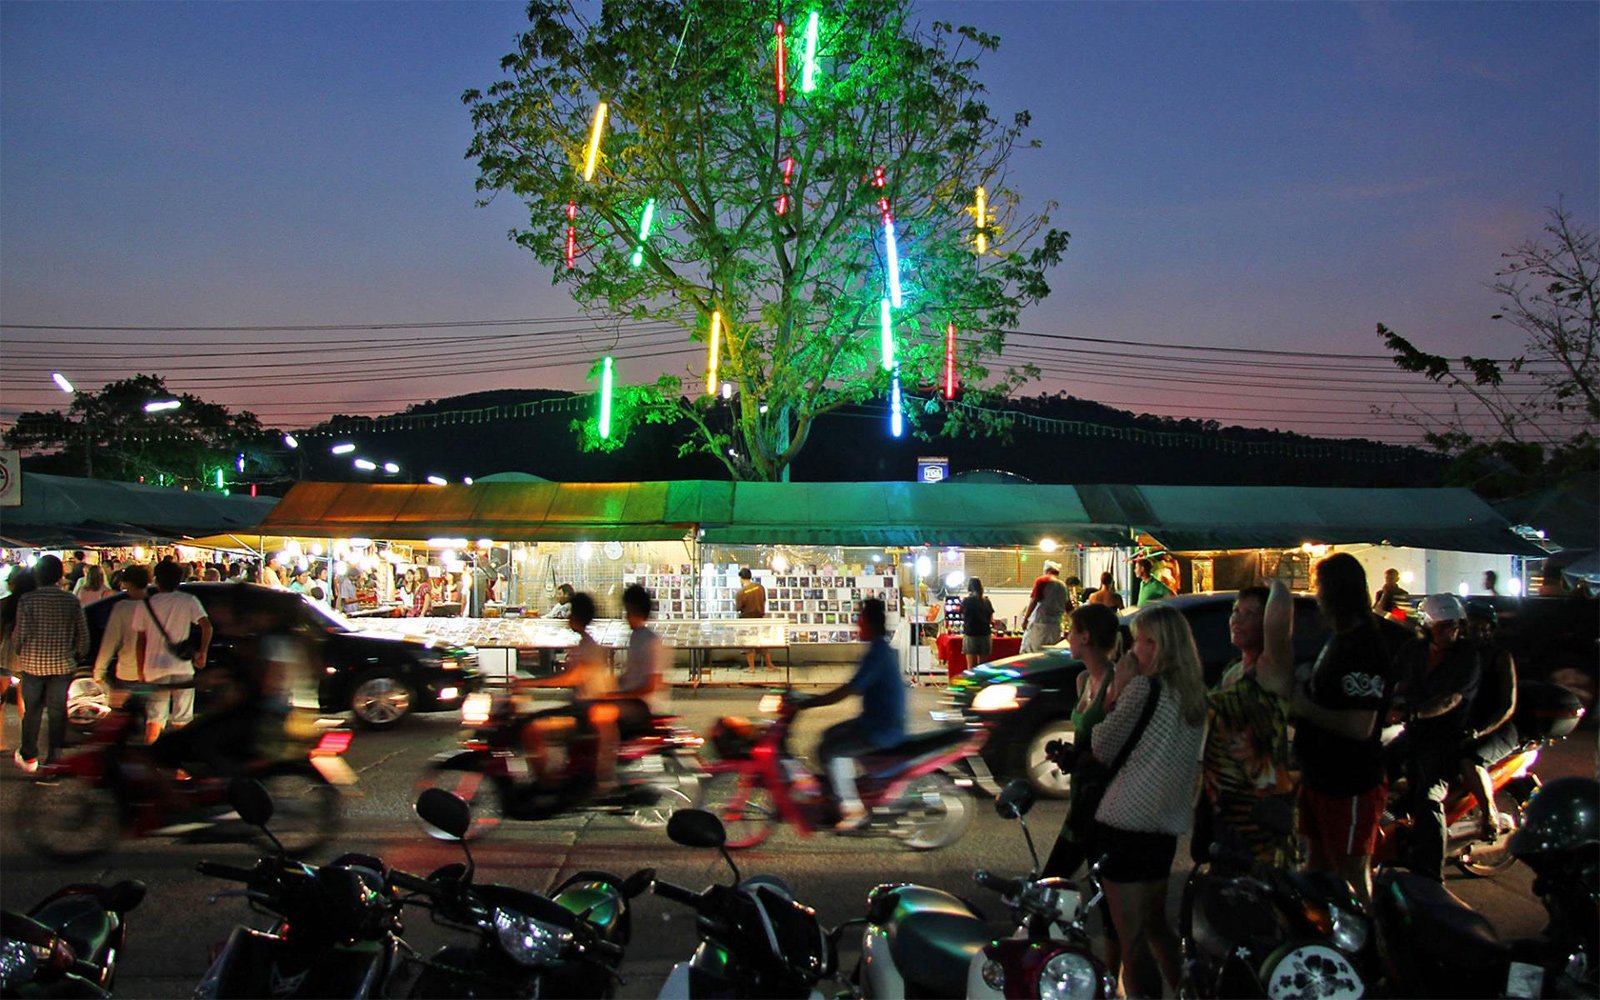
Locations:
(1156, 730)
(92, 586)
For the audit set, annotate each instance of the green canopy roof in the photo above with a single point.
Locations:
(62, 511)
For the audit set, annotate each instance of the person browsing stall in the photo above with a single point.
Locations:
(977, 624)
(1046, 604)
(882, 722)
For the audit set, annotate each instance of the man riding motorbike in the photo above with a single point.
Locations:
(882, 722)
(589, 675)
(1491, 735)
(1438, 678)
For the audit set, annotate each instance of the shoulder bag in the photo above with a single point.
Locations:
(1091, 777)
(184, 650)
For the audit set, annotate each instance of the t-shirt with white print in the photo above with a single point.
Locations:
(177, 612)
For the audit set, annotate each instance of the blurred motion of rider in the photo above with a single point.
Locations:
(589, 675)
(640, 690)
(1438, 677)
(882, 722)
(245, 710)
(1491, 735)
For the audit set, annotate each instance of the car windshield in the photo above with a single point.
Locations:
(325, 618)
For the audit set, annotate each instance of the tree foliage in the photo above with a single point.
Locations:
(694, 123)
(1543, 404)
(177, 447)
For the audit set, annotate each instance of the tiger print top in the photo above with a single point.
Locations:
(1248, 770)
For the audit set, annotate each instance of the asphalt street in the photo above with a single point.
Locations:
(171, 932)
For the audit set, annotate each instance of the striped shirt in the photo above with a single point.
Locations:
(52, 634)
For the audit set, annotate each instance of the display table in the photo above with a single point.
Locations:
(955, 661)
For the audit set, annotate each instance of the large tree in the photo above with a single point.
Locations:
(1530, 419)
(767, 211)
(109, 435)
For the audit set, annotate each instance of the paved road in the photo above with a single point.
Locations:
(170, 933)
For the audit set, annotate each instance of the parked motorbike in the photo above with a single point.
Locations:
(756, 939)
(1546, 714)
(1435, 945)
(336, 928)
(922, 942)
(109, 787)
(568, 944)
(1253, 930)
(69, 943)
(657, 772)
(907, 789)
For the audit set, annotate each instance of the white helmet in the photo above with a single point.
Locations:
(1442, 608)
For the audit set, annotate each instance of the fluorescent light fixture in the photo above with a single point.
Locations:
(344, 448)
(467, 480)
(391, 468)
(595, 132)
(162, 405)
(291, 441)
(438, 481)
(365, 466)
(61, 382)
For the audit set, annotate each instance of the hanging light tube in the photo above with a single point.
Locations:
(808, 72)
(788, 175)
(893, 252)
(980, 215)
(644, 231)
(897, 420)
(714, 355)
(886, 327)
(783, 59)
(605, 398)
(595, 131)
(950, 361)
(572, 234)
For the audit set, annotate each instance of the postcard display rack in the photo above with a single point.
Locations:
(818, 603)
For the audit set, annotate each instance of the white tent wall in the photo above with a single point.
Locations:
(1431, 571)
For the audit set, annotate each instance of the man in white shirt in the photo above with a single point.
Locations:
(174, 612)
(120, 641)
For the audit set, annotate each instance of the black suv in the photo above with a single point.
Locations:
(380, 678)
(1026, 701)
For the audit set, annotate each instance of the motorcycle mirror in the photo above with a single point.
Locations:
(696, 828)
(250, 800)
(124, 896)
(446, 813)
(635, 884)
(1014, 800)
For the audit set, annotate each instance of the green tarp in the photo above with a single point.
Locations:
(66, 511)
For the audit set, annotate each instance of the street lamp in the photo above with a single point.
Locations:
(61, 381)
(88, 452)
(162, 405)
(291, 441)
(438, 481)
(365, 466)
(342, 449)
(391, 468)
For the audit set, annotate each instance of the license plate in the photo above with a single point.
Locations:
(1524, 980)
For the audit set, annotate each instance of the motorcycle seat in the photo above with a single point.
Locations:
(889, 761)
(82, 920)
(1440, 923)
(933, 937)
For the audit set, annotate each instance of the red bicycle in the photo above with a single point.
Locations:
(909, 789)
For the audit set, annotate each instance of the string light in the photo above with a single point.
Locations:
(788, 174)
(896, 416)
(605, 398)
(595, 131)
(644, 230)
(891, 248)
(886, 332)
(980, 217)
(714, 355)
(572, 234)
(808, 73)
(950, 361)
(783, 58)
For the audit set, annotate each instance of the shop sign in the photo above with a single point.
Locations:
(10, 479)
(933, 469)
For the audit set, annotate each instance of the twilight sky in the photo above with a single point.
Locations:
(1275, 176)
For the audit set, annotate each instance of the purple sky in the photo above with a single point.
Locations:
(1278, 176)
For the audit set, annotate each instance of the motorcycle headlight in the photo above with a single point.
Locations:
(1068, 976)
(475, 710)
(1349, 929)
(16, 962)
(996, 698)
(528, 941)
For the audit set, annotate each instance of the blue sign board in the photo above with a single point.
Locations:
(933, 469)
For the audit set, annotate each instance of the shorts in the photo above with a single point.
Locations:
(1134, 855)
(1340, 826)
(169, 705)
(1494, 747)
(982, 645)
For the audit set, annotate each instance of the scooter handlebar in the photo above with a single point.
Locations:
(998, 883)
(218, 870)
(677, 893)
(412, 883)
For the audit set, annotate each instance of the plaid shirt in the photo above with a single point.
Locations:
(52, 634)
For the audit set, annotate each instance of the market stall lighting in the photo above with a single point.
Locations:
(447, 543)
(954, 579)
(980, 219)
(886, 332)
(1407, 577)
(897, 423)
(291, 441)
(783, 61)
(950, 361)
(61, 382)
(344, 448)
(606, 376)
(364, 465)
(808, 70)
(467, 480)
(595, 131)
(780, 564)
(162, 405)
(645, 220)
(391, 468)
(714, 354)
(924, 565)
(585, 550)
(1514, 587)
(485, 543)
(438, 480)
(1048, 545)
